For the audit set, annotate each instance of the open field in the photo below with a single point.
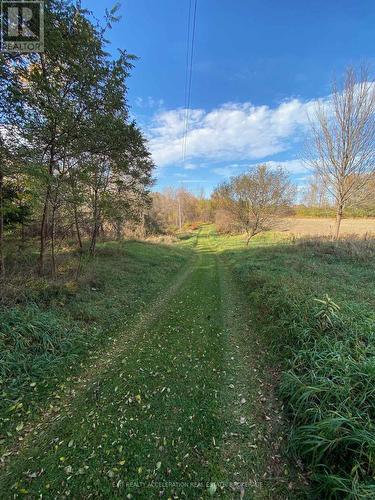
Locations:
(321, 226)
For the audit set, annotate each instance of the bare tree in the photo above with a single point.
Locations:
(316, 195)
(364, 199)
(342, 150)
(173, 208)
(256, 199)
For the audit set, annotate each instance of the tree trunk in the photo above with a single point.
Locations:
(96, 227)
(249, 236)
(143, 225)
(252, 233)
(78, 231)
(179, 214)
(43, 234)
(44, 224)
(339, 214)
(118, 231)
(94, 237)
(2, 260)
(23, 236)
(53, 254)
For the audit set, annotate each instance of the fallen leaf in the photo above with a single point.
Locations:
(212, 489)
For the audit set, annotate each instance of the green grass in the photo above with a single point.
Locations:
(163, 420)
(171, 406)
(54, 329)
(327, 353)
(155, 375)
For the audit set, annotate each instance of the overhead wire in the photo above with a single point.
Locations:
(189, 73)
(186, 74)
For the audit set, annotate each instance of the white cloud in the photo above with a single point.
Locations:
(229, 170)
(233, 132)
(148, 102)
(191, 166)
(291, 166)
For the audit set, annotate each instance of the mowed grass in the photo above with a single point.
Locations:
(149, 422)
(51, 331)
(326, 348)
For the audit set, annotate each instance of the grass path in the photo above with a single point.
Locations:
(180, 408)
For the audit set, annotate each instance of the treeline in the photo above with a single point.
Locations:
(330, 212)
(317, 200)
(255, 201)
(72, 163)
(177, 209)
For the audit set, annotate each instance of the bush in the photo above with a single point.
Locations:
(224, 222)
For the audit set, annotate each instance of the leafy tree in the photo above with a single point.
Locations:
(69, 116)
(6, 110)
(54, 89)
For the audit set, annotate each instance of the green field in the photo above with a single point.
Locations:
(197, 369)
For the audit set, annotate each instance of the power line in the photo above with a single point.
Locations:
(189, 73)
(190, 77)
(186, 74)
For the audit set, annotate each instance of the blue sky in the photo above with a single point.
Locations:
(259, 65)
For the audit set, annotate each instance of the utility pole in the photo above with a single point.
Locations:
(179, 212)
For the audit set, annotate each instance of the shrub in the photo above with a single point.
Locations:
(224, 222)
(352, 247)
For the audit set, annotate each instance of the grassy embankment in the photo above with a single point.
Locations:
(327, 348)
